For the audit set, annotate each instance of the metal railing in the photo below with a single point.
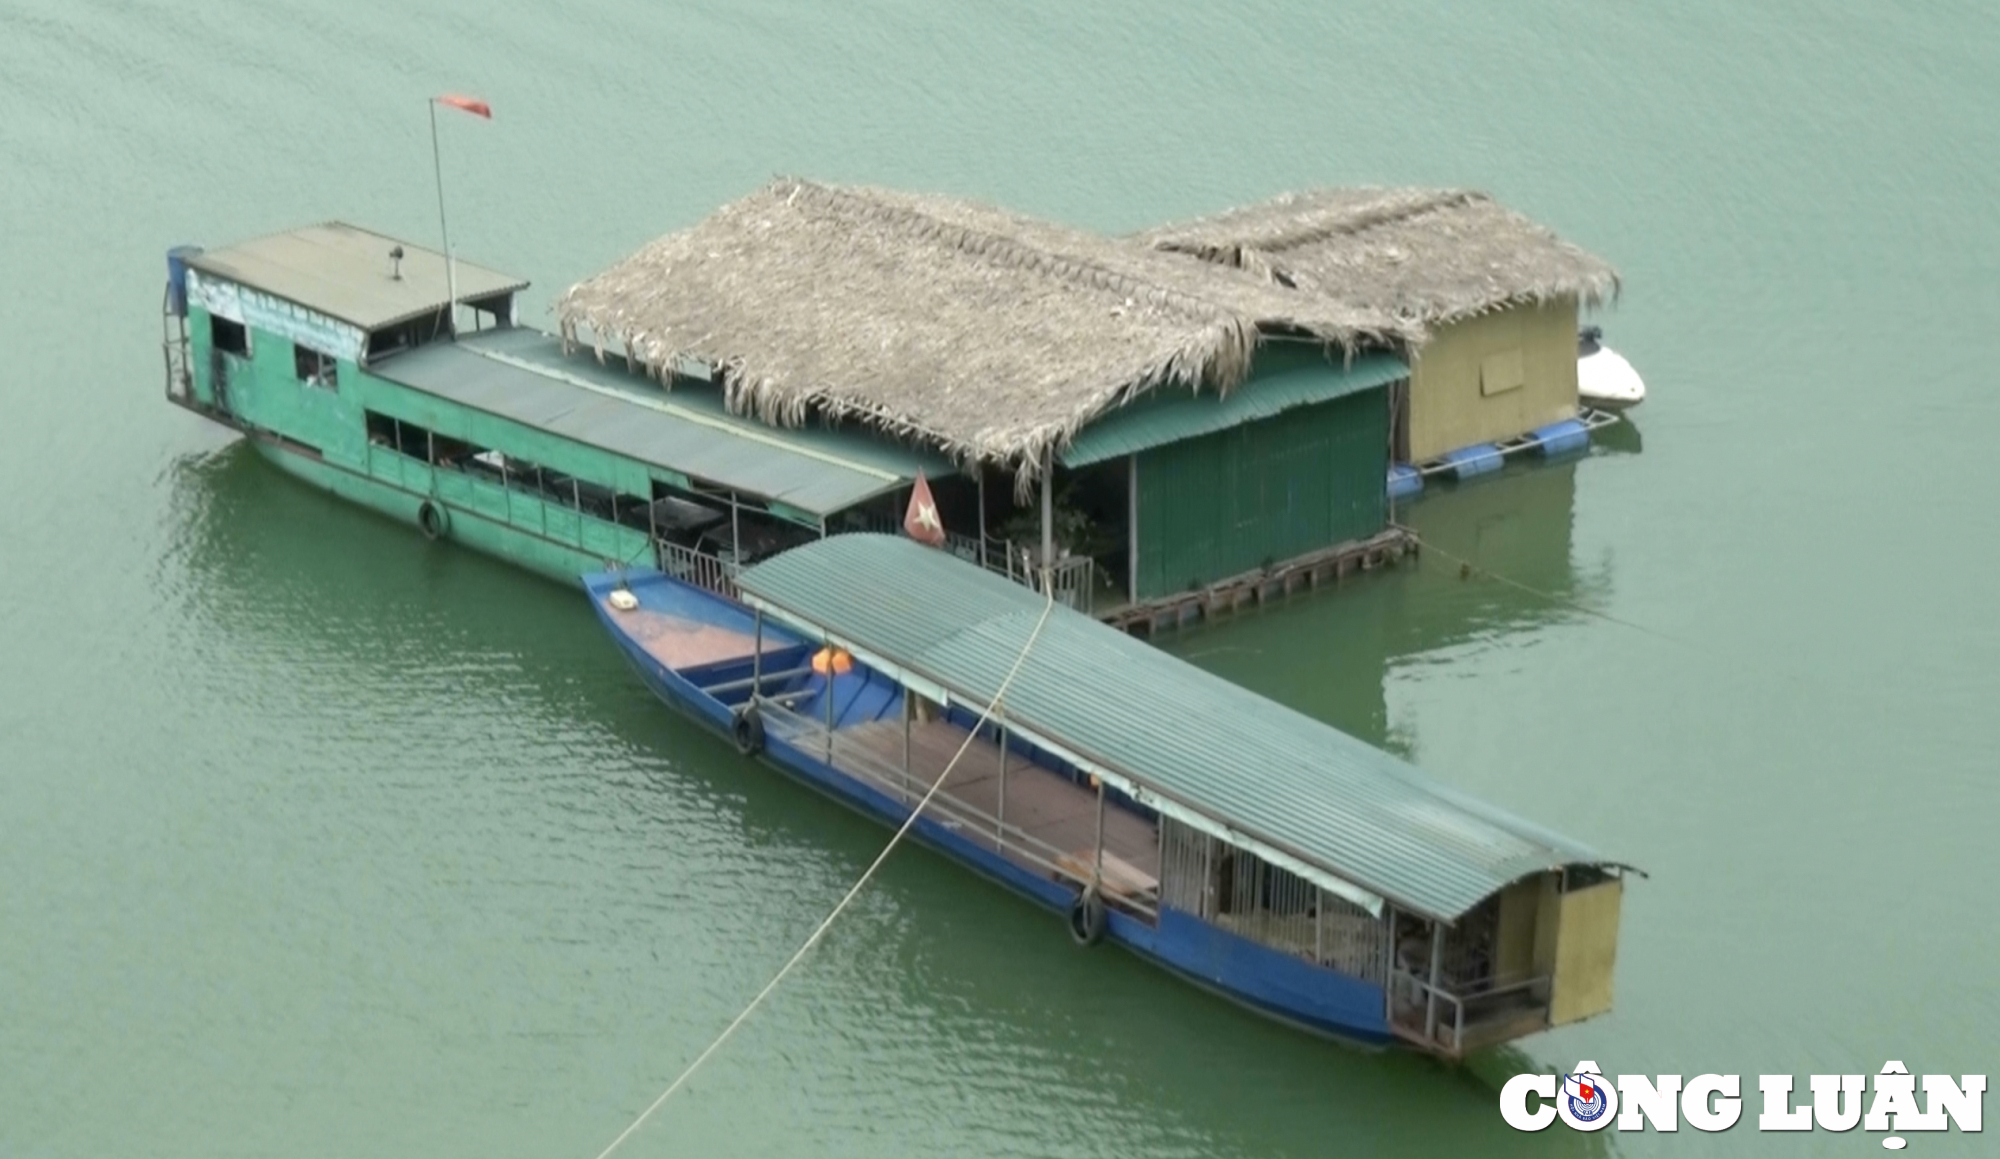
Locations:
(704, 571)
(1073, 577)
(988, 829)
(1234, 890)
(1425, 1005)
(174, 345)
(966, 547)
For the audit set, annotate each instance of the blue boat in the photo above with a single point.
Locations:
(1245, 847)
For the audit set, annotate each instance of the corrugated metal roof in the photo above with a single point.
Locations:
(1268, 771)
(522, 374)
(1171, 416)
(344, 271)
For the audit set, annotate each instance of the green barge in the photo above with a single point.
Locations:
(334, 351)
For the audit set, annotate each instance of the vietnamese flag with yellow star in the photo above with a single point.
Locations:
(921, 521)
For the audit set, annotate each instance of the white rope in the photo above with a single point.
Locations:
(973, 734)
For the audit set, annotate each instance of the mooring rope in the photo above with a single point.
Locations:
(1469, 568)
(1048, 589)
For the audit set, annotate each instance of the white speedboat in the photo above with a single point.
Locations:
(1603, 377)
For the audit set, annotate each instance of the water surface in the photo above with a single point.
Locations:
(322, 841)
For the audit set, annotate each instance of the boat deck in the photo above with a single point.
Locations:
(682, 641)
(1046, 807)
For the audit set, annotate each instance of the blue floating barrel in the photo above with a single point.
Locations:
(177, 278)
(1404, 481)
(1562, 438)
(1477, 459)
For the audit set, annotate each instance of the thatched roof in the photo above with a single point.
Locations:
(988, 335)
(1430, 255)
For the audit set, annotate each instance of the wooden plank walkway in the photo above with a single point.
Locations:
(1046, 806)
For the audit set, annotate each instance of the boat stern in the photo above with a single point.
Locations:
(1537, 955)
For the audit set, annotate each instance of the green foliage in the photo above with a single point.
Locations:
(1071, 527)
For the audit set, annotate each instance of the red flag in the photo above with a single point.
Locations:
(921, 520)
(477, 108)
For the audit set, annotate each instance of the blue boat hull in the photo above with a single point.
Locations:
(1266, 981)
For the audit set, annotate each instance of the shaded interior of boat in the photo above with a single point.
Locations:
(1004, 794)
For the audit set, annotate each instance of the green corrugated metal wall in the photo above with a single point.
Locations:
(552, 538)
(1227, 503)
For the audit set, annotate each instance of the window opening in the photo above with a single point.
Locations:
(229, 337)
(315, 368)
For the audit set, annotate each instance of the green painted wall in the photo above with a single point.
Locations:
(1264, 492)
(264, 392)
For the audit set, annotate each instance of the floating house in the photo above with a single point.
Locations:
(1497, 295)
(1151, 424)
(1154, 433)
(1250, 849)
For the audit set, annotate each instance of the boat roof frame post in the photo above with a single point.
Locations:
(826, 654)
(909, 710)
(756, 661)
(1319, 924)
(1048, 509)
(1389, 916)
(1097, 859)
(1431, 991)
(1132, 526)
(1000, 810)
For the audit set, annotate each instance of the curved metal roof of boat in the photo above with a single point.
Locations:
(1191, 739)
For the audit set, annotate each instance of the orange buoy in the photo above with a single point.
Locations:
(833, 660)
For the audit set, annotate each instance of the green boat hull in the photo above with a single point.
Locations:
(461, 525)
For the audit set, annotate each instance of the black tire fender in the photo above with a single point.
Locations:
(748, 730)
(432, 520)
(1087, 918)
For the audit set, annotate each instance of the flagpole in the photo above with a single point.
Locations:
(450, 270)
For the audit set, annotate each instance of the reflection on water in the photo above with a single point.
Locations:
(1516, 531)
(1620, 438)
(1330, 653)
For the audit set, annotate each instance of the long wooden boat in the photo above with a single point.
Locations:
(1243, 846)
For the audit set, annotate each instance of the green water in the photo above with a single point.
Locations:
(318, 841)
